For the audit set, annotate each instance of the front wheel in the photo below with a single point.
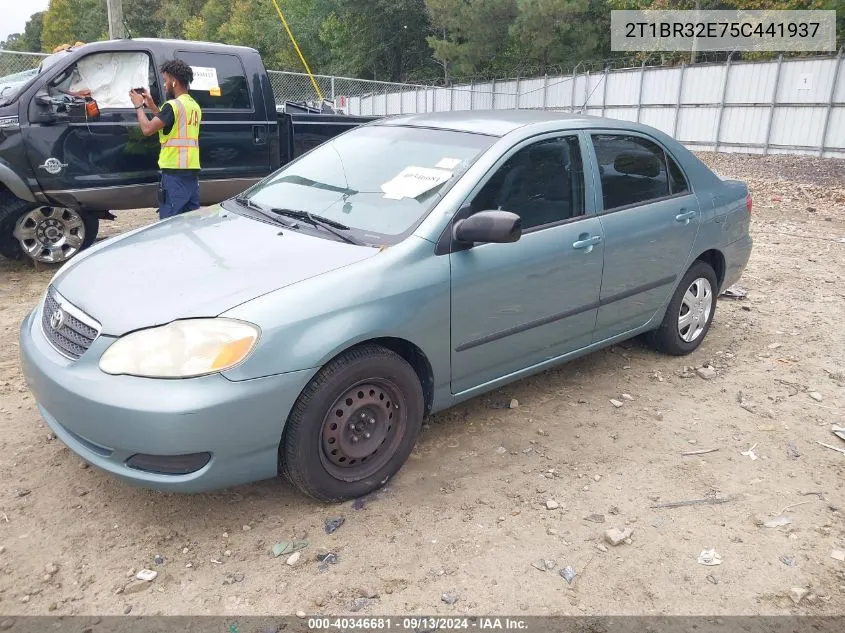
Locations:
(46, 234)
(690, 312)
(354, 425)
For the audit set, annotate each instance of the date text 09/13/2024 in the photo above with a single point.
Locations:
(416, 624)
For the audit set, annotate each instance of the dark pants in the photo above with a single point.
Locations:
(179, 193)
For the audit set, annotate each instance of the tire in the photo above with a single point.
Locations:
(671, 337)
(20, 234)
(368, 392)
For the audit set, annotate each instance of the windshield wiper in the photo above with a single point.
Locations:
(249, 204)
(328, 224)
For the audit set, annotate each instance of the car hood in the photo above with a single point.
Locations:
(199, 264)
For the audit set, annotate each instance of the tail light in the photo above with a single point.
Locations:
(748, 202)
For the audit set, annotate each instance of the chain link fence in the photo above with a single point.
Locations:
(16, 69)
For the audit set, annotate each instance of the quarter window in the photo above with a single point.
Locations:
(633, 171)
(219, 81)
(542, 183)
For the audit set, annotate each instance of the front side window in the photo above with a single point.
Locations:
(632, 170)
(219, 81)
(542, 183)
(105, 77)
(379, 180)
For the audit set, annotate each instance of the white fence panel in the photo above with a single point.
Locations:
(661, 85)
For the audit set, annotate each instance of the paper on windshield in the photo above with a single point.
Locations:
(414, 181)
(205, 79)
(448, 163)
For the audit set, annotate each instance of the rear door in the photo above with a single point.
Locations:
(234, 136)
(650, 218)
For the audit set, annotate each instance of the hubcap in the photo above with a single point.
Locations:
(50, 234)
(362, 429)
(696, 307)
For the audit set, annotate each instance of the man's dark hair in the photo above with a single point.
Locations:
(179, 70)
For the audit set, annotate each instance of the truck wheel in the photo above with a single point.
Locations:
(354, 425)
(46, 234)
(690, 312)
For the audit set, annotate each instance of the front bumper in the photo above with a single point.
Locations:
(108, 419)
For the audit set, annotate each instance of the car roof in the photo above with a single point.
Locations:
(502, 122)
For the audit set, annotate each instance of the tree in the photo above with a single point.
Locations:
(469, 33)
(143, 17)
(68, 21)
(380, 39)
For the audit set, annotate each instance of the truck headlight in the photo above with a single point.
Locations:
(182, 349)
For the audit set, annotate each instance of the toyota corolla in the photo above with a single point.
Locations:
(307, 327)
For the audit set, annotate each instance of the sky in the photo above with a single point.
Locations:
(16, 13)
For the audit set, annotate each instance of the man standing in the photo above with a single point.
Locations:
(178, 127)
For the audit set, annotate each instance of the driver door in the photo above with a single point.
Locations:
(516, 305)
(71, 152)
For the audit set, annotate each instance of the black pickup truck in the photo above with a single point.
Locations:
(71, 150)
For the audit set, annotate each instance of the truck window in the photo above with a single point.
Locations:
(219, 81)
(107, 78)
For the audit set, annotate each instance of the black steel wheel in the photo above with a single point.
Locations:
(354, 425)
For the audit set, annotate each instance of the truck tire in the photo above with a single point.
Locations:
(353, 426)
(46, 234)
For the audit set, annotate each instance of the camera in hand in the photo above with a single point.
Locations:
(139, 91)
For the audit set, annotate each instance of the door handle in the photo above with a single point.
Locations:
(586, 242)
(259, 134)
(685, 216)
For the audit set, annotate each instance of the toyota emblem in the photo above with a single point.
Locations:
(57, 319)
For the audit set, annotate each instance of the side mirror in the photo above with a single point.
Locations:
(489, 227)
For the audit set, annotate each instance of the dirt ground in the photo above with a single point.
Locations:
(468, 513)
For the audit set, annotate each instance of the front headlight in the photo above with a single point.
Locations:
(182, 349)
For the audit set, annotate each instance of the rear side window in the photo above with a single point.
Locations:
(633, 171)
(219, 81)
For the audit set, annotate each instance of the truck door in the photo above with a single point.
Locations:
(234, 136)
(87, 159)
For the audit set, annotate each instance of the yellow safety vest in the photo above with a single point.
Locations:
(181, 149)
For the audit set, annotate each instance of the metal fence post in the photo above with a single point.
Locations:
(572, 92)
(722, 103)
(772, 106)
(493, 95)
(472, 95)
(640, 94)
(830, 101)
(586, 91)
(385, 102)
(333, 89)
(604, 90)
(545, 91)
(451, 97)
(517, 93)
(678, 103)
(401, 102)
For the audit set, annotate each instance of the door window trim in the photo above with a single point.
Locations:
(252, 99)
(599, 189)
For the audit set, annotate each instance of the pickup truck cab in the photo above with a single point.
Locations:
(71, 150)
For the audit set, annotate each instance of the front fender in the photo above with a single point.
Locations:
(401, 293)
(15, 183)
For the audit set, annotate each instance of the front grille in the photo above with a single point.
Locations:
(69, 330)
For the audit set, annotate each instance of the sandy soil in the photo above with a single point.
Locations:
(468, 513)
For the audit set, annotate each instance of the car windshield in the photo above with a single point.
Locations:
(378, 180)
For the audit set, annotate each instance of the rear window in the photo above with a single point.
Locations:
(219, 81)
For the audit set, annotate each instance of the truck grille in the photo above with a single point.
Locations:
(69, 330)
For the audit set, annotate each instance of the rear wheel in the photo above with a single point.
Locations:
(690, 312)
(46, 234)
(354, 425)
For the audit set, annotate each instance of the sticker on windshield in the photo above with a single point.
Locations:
(205, 79)
(448, 163)
(414, 181)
